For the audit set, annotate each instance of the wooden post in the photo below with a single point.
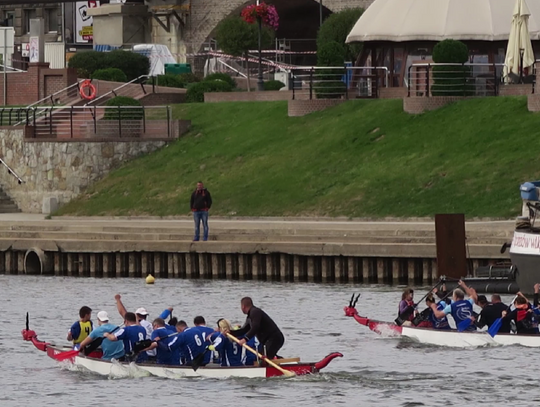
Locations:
(296, 265)
(426, 277)
(58, 264)
(93, 264)
(365, 270)
(228, 266)
(241, 267)
(395, 271)
(131, 265)
(352, 275)
(451, 251)
(157, 265)
(283, 267)
(255, 266)
(215, 266)
(107, 265)
(145, 263)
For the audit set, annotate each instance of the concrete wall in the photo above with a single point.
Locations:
(61, 169)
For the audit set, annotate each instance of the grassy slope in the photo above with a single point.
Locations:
(363, 158)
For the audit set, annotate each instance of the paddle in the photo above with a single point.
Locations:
(66, 355)
(494, 328)
(199, 359)
(425, 313)
(141, 345)
(463, 325)
(285, 372)
(404, 316)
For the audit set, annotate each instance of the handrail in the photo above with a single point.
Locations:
(76, 84)
(113, 92)
(231, 68)
(11, 172)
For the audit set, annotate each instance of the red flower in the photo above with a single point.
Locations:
(267, 13)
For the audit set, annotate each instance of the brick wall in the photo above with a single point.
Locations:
(516, 90)
(417, 105)
(533, 102)
(298, 108)
(265, 96)
(162, 99)
(392, 93)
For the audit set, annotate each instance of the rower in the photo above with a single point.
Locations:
(161, 338)
(491, 311)
(406, 308)
(206, 331)
(188, 343)
(436, 323)
(460, 309)
(230, 353)
(522, 315)
(141, 315)
(130, 335)
(259, 324)
(80, 330)
(111, 350)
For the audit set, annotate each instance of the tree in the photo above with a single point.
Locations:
(236, 37)
(451, 80)
(337, 27)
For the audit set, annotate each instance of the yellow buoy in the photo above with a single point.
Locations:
(150, 279)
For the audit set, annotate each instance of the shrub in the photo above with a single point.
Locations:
(168, 80)
(196, 91)
(331, 53)
(337, 27)
(273, 85)
(124, 114)
(328, 84)
(110, 74)
(87, 62)
(188, 78)
(131, 63)
(451, 80)
(219, 76)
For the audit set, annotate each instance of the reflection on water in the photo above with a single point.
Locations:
(375, 371)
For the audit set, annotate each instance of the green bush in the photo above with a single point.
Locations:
(331, 53)
(273, 85)
(131, 63)
(87, 62)
(168, 80)
(196, 91)
(337, 27)
(188, 78)
(110, 74)
(124, 114)
(327, 83)
(219, 76)
(452, 80)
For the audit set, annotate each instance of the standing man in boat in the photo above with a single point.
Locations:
(81, 329)
(259, 324)
(111, 350)
(460, 309)
(201, 202)
(491, 311)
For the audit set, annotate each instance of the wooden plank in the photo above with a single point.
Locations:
(285, 360)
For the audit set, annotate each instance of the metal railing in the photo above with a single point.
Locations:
(12, 172)
(337, 82)
(61, 97)
(127, 89)
(83, 122)
(435, 79)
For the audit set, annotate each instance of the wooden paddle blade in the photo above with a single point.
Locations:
(494, 328)
(66, 355)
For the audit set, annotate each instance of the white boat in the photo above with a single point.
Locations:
(95, 364)
(449, 338)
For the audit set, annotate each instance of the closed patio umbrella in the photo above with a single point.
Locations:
(519, 42)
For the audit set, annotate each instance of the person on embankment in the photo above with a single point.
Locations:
(259, 324)
(201, 202)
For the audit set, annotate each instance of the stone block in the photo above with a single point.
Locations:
(50, 205)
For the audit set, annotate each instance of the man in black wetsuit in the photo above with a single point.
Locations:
(259, 324)
(491, 312)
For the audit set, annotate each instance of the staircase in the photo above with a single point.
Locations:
(6, 203)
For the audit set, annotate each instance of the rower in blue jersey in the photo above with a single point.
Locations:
(460, 309)
(437, 323)
(162, 337)
(200, 323)
(130, 335)
(188, 342)
(81, 329)
(230, 353)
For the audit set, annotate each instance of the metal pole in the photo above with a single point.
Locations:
(260, 82)
(320, 13)
(5, 70)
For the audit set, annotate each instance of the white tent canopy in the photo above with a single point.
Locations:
(436, 20)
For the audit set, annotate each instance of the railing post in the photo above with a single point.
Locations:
(154, 79)
(495, 82)
(144, 120)
(120, 121)
(50, 122)
(409, 82)
(168, 121)
(427, 80)
(311, 83)
(71, 121)
(464, 80)
(346, 83)
(95, 119)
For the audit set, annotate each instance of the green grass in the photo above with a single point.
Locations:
(363, 158)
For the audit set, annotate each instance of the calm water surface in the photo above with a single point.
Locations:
(375, 371)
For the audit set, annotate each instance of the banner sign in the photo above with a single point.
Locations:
(84, 30)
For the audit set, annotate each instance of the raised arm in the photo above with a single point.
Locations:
(120, 306)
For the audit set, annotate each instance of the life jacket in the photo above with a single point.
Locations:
(410, 304)
(439, 323)
(462, 310)
(524, 319)
(86, 328)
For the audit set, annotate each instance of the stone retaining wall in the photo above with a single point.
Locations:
(61, 169)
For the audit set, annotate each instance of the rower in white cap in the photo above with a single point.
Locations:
(111, 350)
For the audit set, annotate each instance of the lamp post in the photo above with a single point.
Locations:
(320, 13)
(260, 81)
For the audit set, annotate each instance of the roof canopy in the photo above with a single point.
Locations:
(436, 20)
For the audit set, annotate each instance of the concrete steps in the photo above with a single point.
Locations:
(6, 204)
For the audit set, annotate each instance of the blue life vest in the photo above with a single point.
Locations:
(439, 323)
(462, 310)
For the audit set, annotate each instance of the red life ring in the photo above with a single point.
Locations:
(91, 94)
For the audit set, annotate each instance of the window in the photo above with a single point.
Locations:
(9, 18)
(51, 20)
(28, 14)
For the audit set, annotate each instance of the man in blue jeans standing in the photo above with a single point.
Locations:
(201, 201)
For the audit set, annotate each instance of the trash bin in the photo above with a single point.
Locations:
(177, 69)
(529, 191)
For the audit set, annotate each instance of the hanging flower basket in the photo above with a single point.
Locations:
(267, 13)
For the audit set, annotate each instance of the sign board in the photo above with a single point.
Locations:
(84, 31)
(7, 40)
(34, 49)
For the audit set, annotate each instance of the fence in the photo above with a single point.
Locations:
(432, 79)
(100, 122)
(337, 82)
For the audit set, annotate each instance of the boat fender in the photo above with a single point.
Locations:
(327, 359)
(150, 279)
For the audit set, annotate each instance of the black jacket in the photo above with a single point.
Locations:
(201, 200)
(490, 313)
(258, 324)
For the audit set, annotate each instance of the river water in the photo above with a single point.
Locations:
(375, 371)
